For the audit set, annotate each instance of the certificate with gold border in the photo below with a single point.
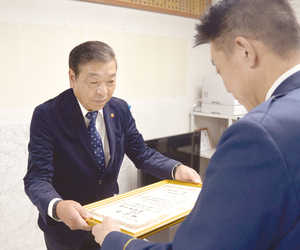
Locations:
(147, 210)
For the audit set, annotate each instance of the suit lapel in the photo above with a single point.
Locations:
(74, 118)
(109, 114)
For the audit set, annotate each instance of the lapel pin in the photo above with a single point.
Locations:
(112, 115)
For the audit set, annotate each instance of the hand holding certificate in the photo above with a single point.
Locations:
(108, 225)
(147, 210)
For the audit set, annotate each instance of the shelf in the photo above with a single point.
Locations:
(228, 118)
(207, 153)
(231, 117)
(187, 150)
(204, 153)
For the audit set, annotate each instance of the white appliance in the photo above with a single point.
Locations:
(216, 99)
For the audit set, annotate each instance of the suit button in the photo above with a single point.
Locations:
(100, 182)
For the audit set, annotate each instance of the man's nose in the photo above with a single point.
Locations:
(102, 89)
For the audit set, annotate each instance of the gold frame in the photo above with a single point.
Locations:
(152, 229)
(186, 8)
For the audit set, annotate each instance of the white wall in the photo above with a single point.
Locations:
(35, 39)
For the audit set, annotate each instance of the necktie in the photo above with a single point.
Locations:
(96, 139)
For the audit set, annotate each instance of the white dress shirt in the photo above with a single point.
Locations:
(281, 79)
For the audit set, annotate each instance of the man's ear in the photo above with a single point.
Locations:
(72, 78)
(246, 50)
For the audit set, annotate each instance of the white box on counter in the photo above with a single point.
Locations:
(223, 109)
(214, 91)
(216, 99)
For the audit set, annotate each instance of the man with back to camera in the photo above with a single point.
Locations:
(77, 143)
(251, 192)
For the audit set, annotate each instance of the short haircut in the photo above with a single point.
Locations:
(272, 22)
(90, 51)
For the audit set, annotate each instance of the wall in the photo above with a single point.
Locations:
(42, 33)
(159, 74)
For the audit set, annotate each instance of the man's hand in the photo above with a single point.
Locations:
(101, 230)
(185, 173)
(73, 214)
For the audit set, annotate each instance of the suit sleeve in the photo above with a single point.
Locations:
(119, 241)
(38, 180)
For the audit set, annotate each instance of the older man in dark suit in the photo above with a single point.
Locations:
(77, 144)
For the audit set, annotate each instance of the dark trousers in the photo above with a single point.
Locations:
(88, 244)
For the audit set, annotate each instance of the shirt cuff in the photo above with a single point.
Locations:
(50, 208)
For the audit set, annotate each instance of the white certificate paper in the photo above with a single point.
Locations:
(142, 210)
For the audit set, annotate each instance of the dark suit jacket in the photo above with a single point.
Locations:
(63, 165)
(251, 193)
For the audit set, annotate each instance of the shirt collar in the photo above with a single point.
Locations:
(85, 111)
(281, 79)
